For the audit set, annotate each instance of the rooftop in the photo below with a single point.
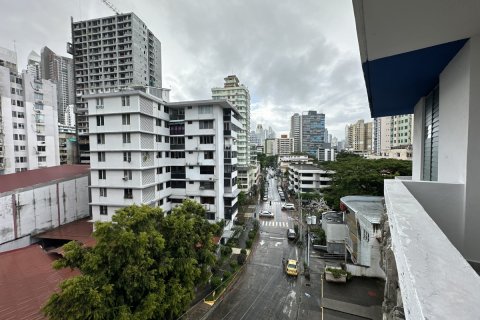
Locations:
(80, 230)
(30, 178)
(27, 280)
(306, 167)
(370, 207)
(332, 217)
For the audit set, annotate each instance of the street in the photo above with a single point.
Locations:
(265, 291)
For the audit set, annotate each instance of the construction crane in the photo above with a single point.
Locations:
(111, 6)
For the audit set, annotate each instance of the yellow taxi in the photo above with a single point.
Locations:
(292, 267)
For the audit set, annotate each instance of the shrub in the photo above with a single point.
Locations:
(295, 227)
(215, 281)
(241, 258)
(249, 243)
(226, 275)
(256, 225)
(251, 234)
(233, 264)
(243, 251)
(337, 273)
(226, 250)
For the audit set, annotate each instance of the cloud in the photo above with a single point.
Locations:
(293, 56)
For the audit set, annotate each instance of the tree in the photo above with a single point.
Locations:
(242, 198)
(145, 265)
(354, 175)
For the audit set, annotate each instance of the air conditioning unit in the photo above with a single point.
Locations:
(202, 188)
(100, 106)
(125, 178)
(129, 160)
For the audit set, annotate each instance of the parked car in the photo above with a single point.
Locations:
(288, 206)
(266, 214)
(291, 234)
(292, 267)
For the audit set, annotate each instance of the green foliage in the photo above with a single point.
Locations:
(267, 161)
(144, 266)
(256, 225)
(337, 273)
(311, 196)
(354, 175)
(243, 251)
(241, 258)
(321, 237)
(242, 198)
(215, 282)
(249, 243)
(251, 234)
(233, 264)
(225, 250)
(295, 227)
(227, 275)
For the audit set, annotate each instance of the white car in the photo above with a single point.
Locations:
(266, 214)
(288, 206)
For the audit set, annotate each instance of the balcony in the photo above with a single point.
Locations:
(427, 233)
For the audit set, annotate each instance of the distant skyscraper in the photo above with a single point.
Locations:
(358, 136)
(109, 54)
(33, 66)
(392, 132)
(261, 136)
(60, 70)
(295, 123)
(312, 132)
(239, 96)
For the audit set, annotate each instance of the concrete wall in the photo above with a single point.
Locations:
(447, 210)
(38, 209)
(418, 141)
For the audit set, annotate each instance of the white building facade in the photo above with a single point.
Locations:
(308, 178)
(28, 121)
(148, 151)
(239, 96)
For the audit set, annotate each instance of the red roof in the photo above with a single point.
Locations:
(80, 230)
(11, 182)
(27, 280)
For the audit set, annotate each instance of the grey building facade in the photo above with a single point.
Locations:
(295, 123)
(110, 54)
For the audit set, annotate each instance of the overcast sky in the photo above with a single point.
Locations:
(293, 55)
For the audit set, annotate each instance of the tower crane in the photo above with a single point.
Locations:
(111, 6)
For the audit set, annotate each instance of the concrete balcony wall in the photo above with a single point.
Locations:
(431, 271)
(444, 204)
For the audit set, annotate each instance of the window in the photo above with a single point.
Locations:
(205, 109)
(14, 114)
(207, 185)
(159, 154)
(103, 210)
(208, 155)
(205, 124)
(103, 192)
(176, 184)
(159, 186)
(168, 184)
(125, 119)
(158, 122)
(167, 169)
(207, 170)
(42, 159)
(159, 170)
(102, 174)
(101, 138)
(127, 175)
(128, 193)
(165, 109)
(206, 139)
(126, 137)
(99, 102)
(160, 202)
(101, 156)
(430, 150)
(20, 115)
(177, 154)
(167, 154)
(158, 138)
(167, 139)
(127, 156)
(100, 120)
(125, 101)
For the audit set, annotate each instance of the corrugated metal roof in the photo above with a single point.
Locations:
(30, 178)
(27, 280)
(371, 207)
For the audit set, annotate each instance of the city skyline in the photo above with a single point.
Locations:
(198, 53)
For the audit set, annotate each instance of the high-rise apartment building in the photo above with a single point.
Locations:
(295, 130)
(271, 147)
(284, 145)
(111, 54)
(239, 96)
(148, 151)
(312, 132)
(28, 118)
(392, 132)
(358, 137)
(60, 70)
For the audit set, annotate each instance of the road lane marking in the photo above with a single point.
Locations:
(277, 238)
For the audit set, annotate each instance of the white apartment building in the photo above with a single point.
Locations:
(239, 96)
(423, 57)
(28, 119)
(271, 147)
(295, 131)
(148, 151)
(392, 132)
(308, 178)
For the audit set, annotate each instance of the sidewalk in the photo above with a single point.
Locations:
(371, 312)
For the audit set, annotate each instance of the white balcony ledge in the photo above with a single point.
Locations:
(435, 280)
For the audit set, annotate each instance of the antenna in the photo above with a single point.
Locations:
(111, 6)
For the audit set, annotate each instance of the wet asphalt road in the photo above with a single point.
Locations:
(264, 290)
